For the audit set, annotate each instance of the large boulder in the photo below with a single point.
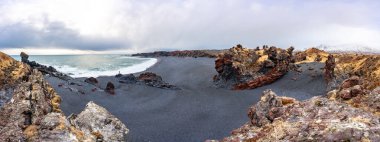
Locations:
(97, 122)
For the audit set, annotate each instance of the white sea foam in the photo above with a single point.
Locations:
(76, 72)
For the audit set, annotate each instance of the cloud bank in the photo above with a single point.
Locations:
(147, 25)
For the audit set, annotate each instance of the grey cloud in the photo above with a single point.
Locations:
(54, 34)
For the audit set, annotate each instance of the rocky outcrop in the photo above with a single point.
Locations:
(350, 113)
(147, 78)
(365, 66)
(42, 68)
(33, 113)
(184, 53)
(242, 68)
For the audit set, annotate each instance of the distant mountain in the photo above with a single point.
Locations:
(349, 48)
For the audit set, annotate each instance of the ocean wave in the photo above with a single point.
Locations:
(76, 72)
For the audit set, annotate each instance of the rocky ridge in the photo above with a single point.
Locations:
(32, 112)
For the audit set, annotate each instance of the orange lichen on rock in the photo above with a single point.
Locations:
(320, 118)
(311, 55)
(365, 66)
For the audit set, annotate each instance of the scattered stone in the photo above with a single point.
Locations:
(94, 89)
(110, 88)
(128, 79)
(91, 80)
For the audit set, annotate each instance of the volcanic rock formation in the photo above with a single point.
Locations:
(332, 118)
(242, 68)
(33, 113)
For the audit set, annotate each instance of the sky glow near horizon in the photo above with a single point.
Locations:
(130, 26)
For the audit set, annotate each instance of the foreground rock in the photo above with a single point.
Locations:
(33, 112)
(98, 122)
(242, 68)
(42, 68)
(332, 118)
(147, 78)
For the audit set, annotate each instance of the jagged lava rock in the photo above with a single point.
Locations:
(243, 68)
(316, 119)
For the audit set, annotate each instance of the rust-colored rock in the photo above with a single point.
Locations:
(242, 68)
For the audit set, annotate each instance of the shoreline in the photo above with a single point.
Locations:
(197, 112)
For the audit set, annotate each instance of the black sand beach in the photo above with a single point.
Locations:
(197, 112)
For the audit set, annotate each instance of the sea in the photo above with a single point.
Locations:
(93, 65)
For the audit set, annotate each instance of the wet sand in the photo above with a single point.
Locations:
(197, 112)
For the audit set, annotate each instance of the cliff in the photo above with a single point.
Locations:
(31, 112)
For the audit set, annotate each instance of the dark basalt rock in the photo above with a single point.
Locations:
(44, 69)
(91, 80)
(110, 88)
(154, 80)
(128, 79)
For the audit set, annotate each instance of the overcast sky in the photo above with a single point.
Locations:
(116, 26)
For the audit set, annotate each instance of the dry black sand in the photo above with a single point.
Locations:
(198, 112)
